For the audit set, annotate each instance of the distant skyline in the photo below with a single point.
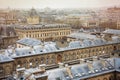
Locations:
(58, 3)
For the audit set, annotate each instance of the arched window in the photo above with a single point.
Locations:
(25, 63)
(47, 60)
(37, 62)
(31, 62)
(65, 57)
(53, 59)
(19, 63)
(1, 70)
(111, 78)
(115, 47)
(105, 79)
(42, 60)
(8, 70)
(77, 56)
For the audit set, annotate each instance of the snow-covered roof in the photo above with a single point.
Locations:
(85, 70)
(5, 58)
(29, 42)
(81, 35)
(48, 47)
(23, 51)
(57, 74)
(75, 44)
(41, 26)
(115, 62)
(116, 39)
(112, 31)
(78, 71)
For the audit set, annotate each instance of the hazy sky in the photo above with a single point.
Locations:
(58, 3)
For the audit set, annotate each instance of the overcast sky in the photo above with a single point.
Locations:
(58, 3)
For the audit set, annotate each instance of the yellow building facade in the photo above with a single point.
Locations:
(43, 32)
(33, 20)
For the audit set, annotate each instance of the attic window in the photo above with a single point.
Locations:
(29, 52)
(62, 42)
(96, 70)
(89, 72)
(83, 73)
(119, 67)
(41, 51)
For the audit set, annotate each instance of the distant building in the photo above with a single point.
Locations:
(33, 20)
(118, 24)
(33, 17)
(113, 13)
(8, 18)
(109, 24)
(43, 32)
(114, 32)
(28, 42)
(80, 20)
(6, 41)
(90, 23)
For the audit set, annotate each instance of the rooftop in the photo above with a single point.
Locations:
(39, 47)
(29, 42)
(81, 35)
(81, 71)
(112, 31)
(41, 26)
(4, 58)
(86, 70)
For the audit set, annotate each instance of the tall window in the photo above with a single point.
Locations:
(42, 60)
(1, 70)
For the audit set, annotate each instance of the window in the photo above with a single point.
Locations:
(42, 60)
(115, 47)
(25, 63)
(1, 70)
(105, 79)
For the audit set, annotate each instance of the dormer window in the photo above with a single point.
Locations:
(29, 52)
(103, 69)
(109, 67)
(83, 73)
(119, 67)
(96, 70)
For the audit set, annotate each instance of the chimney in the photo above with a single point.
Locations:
(95, 58)
(90, 65)
(68, 69)
(13, 50)
(61, 65)
(42, 67)
(82, 61)
(103, 62)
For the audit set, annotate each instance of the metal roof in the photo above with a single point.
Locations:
(29, 42)
(112, 31)
(5, 58)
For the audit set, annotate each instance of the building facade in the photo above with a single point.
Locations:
(8, 41)
(52, 59)
(43, 32)
(8, 18)
(33, 20)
